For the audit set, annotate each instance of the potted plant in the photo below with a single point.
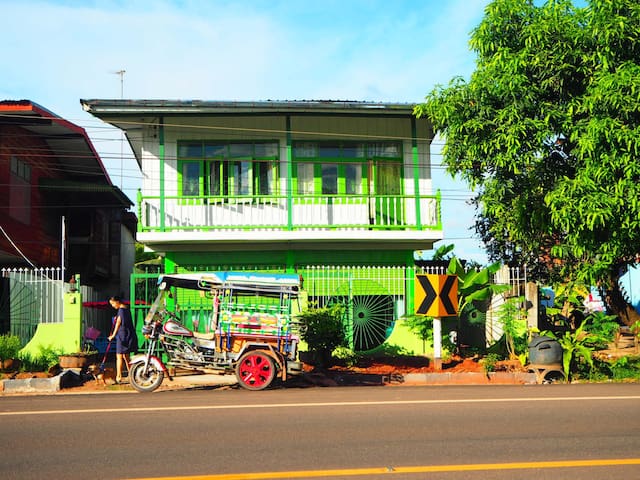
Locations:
(76, 359)
(10, 345)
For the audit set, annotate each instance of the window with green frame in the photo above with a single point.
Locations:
(347, 168)
(222, 168)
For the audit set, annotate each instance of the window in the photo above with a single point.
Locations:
(345, 168)
(212, 168)
(190, 179)
(329, 178)
(305, 178)
(353, 179)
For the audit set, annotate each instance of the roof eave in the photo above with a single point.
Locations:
(104, 107)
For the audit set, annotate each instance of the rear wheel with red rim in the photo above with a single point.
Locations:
(255, 370)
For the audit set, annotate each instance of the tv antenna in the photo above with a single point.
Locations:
(121, 73)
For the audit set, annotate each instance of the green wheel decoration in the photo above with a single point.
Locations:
(369, 313)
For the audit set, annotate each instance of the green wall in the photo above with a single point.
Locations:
(289, 259)
(65, 336)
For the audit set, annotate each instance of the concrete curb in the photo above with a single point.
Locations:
(67, 378)
(471, 378)
(70, 378)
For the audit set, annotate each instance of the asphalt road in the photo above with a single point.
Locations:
(473, 432)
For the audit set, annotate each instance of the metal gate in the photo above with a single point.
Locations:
(29, 297)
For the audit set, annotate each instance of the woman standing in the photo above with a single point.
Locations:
(125, 334)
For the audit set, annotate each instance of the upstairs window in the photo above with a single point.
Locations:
(347, 168)
(212, 168)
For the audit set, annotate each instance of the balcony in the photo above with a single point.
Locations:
(325, 213)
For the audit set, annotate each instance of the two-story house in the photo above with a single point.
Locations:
(339, 192)
(51, 172)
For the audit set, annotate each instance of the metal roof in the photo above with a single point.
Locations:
(69, 143)
(101, 107)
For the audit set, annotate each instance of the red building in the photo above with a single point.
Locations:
(50, 170)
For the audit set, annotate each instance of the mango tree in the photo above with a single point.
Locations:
(546, 132)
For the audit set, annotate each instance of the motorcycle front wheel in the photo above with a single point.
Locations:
(145, 382)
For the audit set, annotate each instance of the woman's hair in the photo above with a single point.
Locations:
(116, 298)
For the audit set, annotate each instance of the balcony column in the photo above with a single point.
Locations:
(161, 155)
(289, 176)
(416, 171)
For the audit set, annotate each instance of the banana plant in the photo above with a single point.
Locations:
(574, 344)
(475, 285)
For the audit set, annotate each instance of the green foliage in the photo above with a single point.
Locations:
(443, 253)
(389, 350)
(347, 356)
(602, 327)
(323, 331)
(625, 368)
(513, 319)
(474, 285)
(46, 358)
(489, 362)
(618, 370)
(421, 325)
(10, 345)
(576, 347)
(635, 329)
(142, 256)
(546, 131)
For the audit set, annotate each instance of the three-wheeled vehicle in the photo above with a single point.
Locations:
(247, 329)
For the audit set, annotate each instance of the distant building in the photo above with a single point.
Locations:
(51, 171)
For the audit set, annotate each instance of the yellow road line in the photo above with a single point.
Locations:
(399, 470)
(317, 404)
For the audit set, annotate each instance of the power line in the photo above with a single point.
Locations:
(16, 247)
(244, 130)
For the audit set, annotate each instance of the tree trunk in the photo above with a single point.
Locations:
(618, 305)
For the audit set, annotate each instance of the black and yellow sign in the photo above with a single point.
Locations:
(436, 295)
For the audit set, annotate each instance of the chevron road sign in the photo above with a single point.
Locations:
(436, 295)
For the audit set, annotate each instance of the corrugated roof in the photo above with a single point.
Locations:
(73, 150)
(106, 106)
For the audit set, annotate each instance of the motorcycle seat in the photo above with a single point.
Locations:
(204, 336)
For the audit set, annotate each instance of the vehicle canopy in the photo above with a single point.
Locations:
(252, 282)
(232, 283)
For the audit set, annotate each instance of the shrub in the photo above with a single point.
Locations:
(323, 331)
(489, 362)
(43, 361)
(10, 345)
(602, 328)
(624, 368)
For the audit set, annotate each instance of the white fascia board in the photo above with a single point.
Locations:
(261, 236)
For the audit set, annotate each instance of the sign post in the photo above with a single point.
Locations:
(436, 296)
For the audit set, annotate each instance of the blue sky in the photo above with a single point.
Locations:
(57, 52)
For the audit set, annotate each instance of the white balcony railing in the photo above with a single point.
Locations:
(272, 213)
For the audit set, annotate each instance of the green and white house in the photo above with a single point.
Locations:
(338, 192)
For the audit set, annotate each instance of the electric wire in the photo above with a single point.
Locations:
(6, 235)
(44, 152)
